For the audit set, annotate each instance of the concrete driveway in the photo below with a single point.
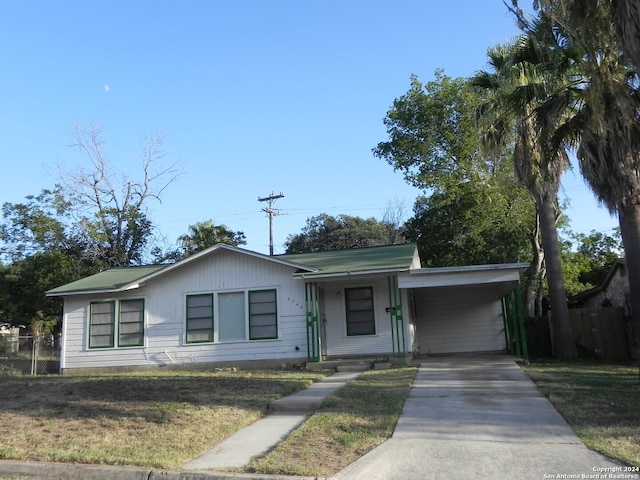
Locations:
(470, 417)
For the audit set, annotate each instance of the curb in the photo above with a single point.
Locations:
(60, 471)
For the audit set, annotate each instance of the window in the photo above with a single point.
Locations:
(231, 317)
(199, 318)
(263, 315)
(101, 324)
(129, 327)
(236, 315)
(359, 308)
(131, 323)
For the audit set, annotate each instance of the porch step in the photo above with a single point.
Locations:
(353, 365)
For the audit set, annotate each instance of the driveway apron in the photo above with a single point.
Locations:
(470, 417)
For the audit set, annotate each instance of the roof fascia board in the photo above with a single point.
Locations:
(83, 292)
(312, 275)
(466, 268)
(455, 276)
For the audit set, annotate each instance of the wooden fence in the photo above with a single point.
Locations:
(601, 333)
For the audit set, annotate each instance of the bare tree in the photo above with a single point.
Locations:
(393, 219)
(114, 210)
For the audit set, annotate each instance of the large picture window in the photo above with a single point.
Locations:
(131, 323)
(102, 324)
(200, 318)
(231, 317)
(359, 309)
(263, 315)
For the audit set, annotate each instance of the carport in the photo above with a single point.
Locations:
(467, 309)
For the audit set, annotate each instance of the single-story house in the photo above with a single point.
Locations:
(228, 305)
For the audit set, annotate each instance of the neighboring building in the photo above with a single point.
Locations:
(612, 292)
(227, 305)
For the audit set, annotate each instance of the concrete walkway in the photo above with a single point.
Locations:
(477, 418)
(263, 435)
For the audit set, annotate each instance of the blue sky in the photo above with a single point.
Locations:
(254, 97)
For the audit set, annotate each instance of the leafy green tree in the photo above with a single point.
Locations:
(472, 202)
(478, 225)
(587, 259)
(22, 287)
(206, 234)
(37, 225)
(325, 232)
(432, 135)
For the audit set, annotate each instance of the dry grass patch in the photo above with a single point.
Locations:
(353, 421)
(599, 401)
(158, 419)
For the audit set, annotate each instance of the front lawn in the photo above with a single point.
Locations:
(601, 402)
(353, 421)
(157, 419)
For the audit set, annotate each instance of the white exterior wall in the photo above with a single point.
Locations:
(165, 312)
(338, 344)
(458, 320)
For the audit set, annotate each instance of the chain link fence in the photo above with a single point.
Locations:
(28, 354)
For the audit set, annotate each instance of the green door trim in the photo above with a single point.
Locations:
(312, 307)
(398, 338)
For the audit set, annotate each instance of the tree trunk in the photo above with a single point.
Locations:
(535, 273)
(630, 229)
(564, 345)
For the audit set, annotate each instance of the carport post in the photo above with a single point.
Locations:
(313, 329)
(395, 315)
(520, 320)
(513, 315)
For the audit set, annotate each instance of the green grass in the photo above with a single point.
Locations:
(158, 419)
(599, 400)
(353, 421)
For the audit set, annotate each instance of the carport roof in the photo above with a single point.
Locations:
(466, 275)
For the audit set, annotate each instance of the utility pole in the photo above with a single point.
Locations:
(271, 212)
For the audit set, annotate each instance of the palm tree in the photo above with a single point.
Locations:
(603, 102)
(205, 234)
(626, 18)
(515, 89)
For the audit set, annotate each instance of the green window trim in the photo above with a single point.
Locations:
(359, 309)
(131, 323)
(102, 319)
(121, 319)
(263, 314)
(199, 318)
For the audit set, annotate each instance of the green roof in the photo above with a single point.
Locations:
(108, 280)
(355, 260)
(334, 262)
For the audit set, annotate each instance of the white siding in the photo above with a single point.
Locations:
(165, 316)
(337, 342)
(458, 320)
